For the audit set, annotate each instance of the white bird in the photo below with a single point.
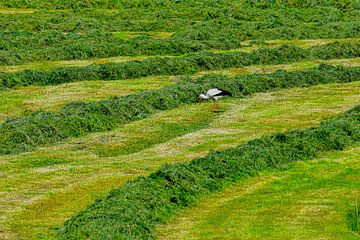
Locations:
(215, 94)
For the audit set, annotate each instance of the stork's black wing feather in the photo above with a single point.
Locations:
(223, 93)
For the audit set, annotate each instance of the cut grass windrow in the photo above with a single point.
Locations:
(246, 46)
(189, 64)
(21, 47)
(69, 35)
(23, 100)
(68, 4)
(348, 62)
(45, 187)
(301, 200)
(353, 218)
(26, 133)
(16, 11)
(133, 210)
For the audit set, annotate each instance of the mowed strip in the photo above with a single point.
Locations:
(44, 128)
(347, 62)
(23, 100)
(303, 200)
(248, 46)
(45, 187)
(189, 64)
(16, 102)
(16, 11)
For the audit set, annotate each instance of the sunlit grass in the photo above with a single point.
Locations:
(155, 35)
(44, 65)
(16, 11)
(251, 45)
(26, 99)
(303, 200)
(248, 47)
(349, 62)
(38, 194)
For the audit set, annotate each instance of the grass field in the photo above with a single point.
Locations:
(52, 173)
(281, 204)
(51, 98)
(50, 53)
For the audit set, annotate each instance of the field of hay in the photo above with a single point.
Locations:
(101, 136)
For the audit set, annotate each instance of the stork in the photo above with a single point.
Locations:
(215, 94)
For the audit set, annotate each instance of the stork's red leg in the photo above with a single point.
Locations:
(216, 106)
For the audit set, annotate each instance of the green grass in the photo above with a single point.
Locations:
(348, 62)
(303, 200)
(131, 211)
(44, 128)
(188, 64)
(24, 100)
(41, 189)
(45, 65)
(156, 35)
(353, 218)
(248, 46)
(16, 11)
(35, 199)
(78, 33)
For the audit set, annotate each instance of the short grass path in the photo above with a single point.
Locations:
(248, 46)
(302, 200)
(41, 189)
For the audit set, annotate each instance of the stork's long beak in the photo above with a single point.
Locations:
(200, 103)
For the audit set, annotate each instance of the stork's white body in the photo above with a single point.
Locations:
(212, 93)
(215, 94)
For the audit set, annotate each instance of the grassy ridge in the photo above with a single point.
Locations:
(353, 218)
(68, 4)
(343, 4)
(189, 27)
(78, 33)
(189, 64)
(17, 47)
(25, 133)
(240, 121)
(23, 100)
(131, 211)
(171, 20)
(304, 199)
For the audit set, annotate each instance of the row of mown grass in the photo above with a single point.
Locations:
(27, 132)
(18, 47)
(300, 200)
(169, 19)
(24, 100)
(354, 218)
(248, 46)
(190, 27)
(113, 4)
(47, 186)
(131, 211)
(188, 64)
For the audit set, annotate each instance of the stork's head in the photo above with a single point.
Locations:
(202, 96)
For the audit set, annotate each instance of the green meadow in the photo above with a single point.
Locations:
(102, 136)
